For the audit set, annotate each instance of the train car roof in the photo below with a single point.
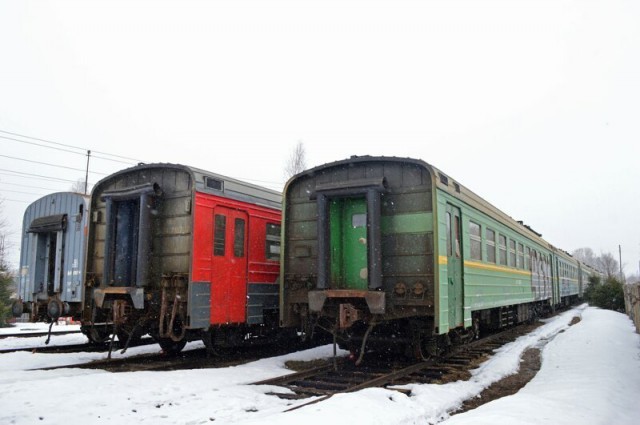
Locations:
(216, 184)
(48, 210)
(446, 183)
(57, 195)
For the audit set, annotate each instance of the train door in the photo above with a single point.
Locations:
(555, 280)
(348, 239)
(454, 266)
(125, 248)
(229, 266)
(48, 263)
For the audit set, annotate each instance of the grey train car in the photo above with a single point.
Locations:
(52, 257)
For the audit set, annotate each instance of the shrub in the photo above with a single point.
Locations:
(609, 295)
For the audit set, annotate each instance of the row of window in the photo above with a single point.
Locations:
(272, 238)
(567, 271)
(500, 249)
(508, 252)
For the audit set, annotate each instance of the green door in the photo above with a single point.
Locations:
(454, 266)
(348, 227)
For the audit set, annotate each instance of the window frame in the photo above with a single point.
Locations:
(239, 237)
(512, 253)
(502, 249)
(219, 235)
(475, 241)
(271, 240)
(520, 255)
(490, 245)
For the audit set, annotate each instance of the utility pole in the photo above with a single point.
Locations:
(86, 175)
(620, 256)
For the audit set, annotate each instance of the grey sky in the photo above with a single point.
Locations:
(533, 105)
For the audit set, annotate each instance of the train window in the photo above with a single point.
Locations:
(520, 256)
(475, 241)
(527, 258)
(444, 180)
(238, 239)
(512, 253)
(359, 220)
(219, 233)
(502, 246)
(213, 183)
(457, 239)
(449, 251)
(490, 237)
(272, 245)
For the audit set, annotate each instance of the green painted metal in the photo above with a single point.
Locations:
(485, 285)
(407, 223)
(454, 263)
(348, 239)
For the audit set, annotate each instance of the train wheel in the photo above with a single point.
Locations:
(215, 341)
(98, 334)
(171, 347)
(124, 333)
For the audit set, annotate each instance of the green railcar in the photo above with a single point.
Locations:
(393, 251)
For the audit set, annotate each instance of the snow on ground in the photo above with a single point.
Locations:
(590, 375)
(25, 328)
(15, 361)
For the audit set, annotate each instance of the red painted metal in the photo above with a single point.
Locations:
(230, 275)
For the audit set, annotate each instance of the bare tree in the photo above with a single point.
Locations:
(79, 186)
(587, 256)
(608, 265)
(633, 278)
(297, 161)
(6, 276)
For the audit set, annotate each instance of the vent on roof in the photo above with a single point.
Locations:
(456, 187)
(212, 183)
(444, 180)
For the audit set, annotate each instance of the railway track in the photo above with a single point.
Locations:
(190, 359)
(142, 362)
(324, 381)
(72, 348)
(36, 334)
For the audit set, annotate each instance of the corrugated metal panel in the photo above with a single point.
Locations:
(261, 296)
(70, 246)
(199, 305)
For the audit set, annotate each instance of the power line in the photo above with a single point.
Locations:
(26, 185)
(70, 146)
(15, 200)
(37, 176)
(66, 150)
(51, 165)
(21, 192)
(38, 144)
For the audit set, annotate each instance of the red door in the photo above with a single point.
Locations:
(229, 266)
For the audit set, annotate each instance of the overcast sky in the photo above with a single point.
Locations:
(534, 105)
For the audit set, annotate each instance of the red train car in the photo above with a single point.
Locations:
(182, 254)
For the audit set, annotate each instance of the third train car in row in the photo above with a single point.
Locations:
(52, 254)
(394, 252)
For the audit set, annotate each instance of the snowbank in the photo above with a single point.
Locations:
(590, 375)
